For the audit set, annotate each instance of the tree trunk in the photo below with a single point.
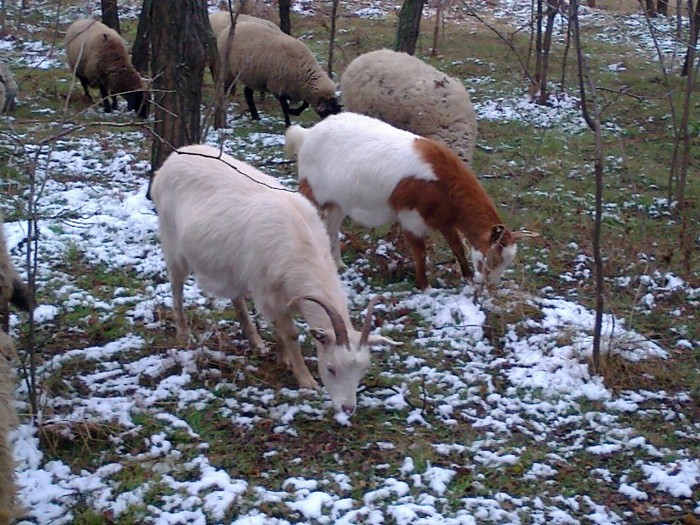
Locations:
(408, 28)
(331, 44)
(649, 8)
(591, 113)
(436, 29)
(285, 20)
(179, 57)
(552, 10)
(693, 38)
(141, 50)
(662, 7)
(110, 14)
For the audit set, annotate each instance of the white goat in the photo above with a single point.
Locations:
(351, 164)
(240, 231)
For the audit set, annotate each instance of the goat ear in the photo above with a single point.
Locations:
(321, 336)
(497, 232)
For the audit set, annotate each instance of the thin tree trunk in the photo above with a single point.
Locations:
(592, 116)
(178, 62)
(436, 29)
(331, 44)
(408, 28)
(141, 50)
(285, 20)
(693, 38)
(110, 14)
(552, 10)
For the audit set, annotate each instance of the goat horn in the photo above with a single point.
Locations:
(367, 326)
(522, 234)
(341, 331)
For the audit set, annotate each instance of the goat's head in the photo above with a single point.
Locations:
(343, 356)
(502, 247)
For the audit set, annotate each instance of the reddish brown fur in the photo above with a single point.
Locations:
(455, 203)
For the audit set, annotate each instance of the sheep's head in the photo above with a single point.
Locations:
(343, 356)
(327, 106)
(502, 248)
(138, 101)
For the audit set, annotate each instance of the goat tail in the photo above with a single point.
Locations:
(294, 140)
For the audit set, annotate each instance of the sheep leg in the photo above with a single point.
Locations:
(249, 330)
(250, 99)
(177, 283)
(105, 98)
(457, 248)
(289, 337)
(418, 248)
(86, 85)
(333, 217)
(296, 111)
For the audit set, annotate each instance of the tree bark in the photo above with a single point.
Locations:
(285, 20)
(592, 115)
(693, 38)
(110, 14)
(408, 28)
(179, 57)
(331, 44)
(141, 50)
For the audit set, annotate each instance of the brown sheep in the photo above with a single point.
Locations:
(98, 56)
(12, 290)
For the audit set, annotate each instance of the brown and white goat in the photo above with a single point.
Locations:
(358, 166)
(241, 232)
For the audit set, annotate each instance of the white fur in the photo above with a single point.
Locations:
(356, 162)
(239, 231)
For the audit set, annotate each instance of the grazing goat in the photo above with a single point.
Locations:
(12, 290)
(240, 231)
(351, 164)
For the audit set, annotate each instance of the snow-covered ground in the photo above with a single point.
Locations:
(533, 392)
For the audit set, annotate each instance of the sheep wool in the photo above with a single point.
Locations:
(9, 279)
(264, 59)
(220, 20)
(98, 56)
(409, 94)
(8, 89)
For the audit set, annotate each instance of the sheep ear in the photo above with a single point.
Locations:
(497, 232)
(321, 336)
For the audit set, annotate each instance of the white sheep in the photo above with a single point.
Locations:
(409, 94)
(98, 56)
(264, 59)
(241, 232)
(221, 20)
(8, 89)
(358, 166)
(12, 290)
